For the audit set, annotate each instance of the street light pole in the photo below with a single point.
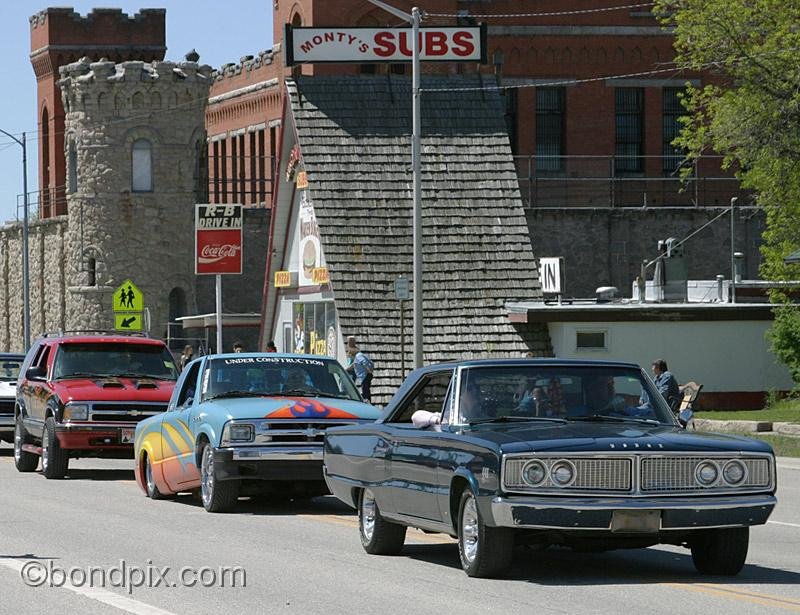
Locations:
(416, 170)
(26, 284)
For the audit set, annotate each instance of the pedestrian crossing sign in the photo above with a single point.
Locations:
(124, 321)
(128, 298)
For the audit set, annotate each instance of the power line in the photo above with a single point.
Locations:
(549, 14)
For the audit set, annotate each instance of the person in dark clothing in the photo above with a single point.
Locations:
(666, 384)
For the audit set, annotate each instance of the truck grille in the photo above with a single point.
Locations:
(295, 433)
(125, 412)
(6, 406)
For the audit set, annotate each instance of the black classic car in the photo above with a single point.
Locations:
(583, 454)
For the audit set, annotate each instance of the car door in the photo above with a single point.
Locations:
(414, 453)
(37, 391)
(177, 436)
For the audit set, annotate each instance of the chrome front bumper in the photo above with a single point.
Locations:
(274, 453)
(597, 514)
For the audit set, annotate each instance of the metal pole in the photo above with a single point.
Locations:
(26, 284)
(402, 339)
(417, 177)
(733, 260)
(219, 312)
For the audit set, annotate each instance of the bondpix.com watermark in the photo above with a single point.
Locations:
(48, 573)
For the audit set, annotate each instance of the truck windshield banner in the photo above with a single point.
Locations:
(368, 45)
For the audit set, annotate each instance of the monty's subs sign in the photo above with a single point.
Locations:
(371, 45)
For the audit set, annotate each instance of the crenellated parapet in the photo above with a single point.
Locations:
(248, 64)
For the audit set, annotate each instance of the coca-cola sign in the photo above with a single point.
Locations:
(218, 239)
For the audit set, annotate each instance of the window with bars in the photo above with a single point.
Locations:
(672, 110)
(549, 129)
(629, 109)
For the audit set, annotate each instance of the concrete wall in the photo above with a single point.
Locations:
(709, 353)
(605, 247)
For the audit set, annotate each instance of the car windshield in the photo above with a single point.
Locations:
(596, 393)
(9, 369)
(108, 359)
(272, 375)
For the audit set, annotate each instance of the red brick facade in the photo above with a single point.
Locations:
(60, 36)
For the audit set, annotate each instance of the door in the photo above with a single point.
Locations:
(37, 392)
(177, 439)
(414, 455)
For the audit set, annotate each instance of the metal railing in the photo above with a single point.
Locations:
(605, 181)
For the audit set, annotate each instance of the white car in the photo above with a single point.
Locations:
(10, 365)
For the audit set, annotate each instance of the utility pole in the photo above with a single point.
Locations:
(733, 249)
(416, 167)
(26, 283)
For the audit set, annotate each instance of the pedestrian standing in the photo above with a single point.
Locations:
(361, 367)
(666, 384)
(238, 346)
(186, 356)
(271, 346)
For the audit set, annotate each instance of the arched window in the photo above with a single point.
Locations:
(142, 166)
(72, 167)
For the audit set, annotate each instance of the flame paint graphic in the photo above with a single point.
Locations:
(305, 408)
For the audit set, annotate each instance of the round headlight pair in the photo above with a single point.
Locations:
(707, 473)
(562, 473)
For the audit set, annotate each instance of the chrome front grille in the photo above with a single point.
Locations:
(670, 474)
(637, 474)
(297, 433)
(125, 411)
(7, 406)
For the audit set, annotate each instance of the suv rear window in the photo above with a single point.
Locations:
(110, 359)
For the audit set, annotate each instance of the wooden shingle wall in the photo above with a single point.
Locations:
(355, 139)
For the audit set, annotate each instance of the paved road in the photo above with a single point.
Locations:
(306, 558)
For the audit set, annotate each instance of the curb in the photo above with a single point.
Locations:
(786, 429)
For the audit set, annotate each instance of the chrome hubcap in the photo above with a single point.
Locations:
(469, 531)
(45, 450)
(368, 509)
(207, 475)
(17, 442)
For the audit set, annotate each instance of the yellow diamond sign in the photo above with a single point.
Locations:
(128, 298)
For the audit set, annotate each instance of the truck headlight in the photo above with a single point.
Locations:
(76, 412)
(241, 433)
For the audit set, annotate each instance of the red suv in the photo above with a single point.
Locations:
(82, 396)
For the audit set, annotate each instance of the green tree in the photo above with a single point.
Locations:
(749, 113)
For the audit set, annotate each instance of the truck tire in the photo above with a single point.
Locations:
(149, 482)
(23, 460)
(720, 551)
(217, 496)
(484, 551)
(378, 536)
(55, 460)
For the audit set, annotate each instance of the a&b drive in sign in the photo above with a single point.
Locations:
(218, 239)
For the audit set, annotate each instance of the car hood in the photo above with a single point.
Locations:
(612, 437)
(8, 389)
(291, 408)
(114, 389)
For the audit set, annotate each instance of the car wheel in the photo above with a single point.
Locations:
(378, 536)
(23, 460)
(484, 551)
(55, 461)
(720, 551)
(149, 482)
(217, 496)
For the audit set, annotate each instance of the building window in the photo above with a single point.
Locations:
(590, 340)
(72, 168)
(91, 271)
(672, 110)
(142, 166)
(510, 116)
(549, 129)
(629, 109)
(314, 330)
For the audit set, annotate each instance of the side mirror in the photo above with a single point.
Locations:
(35, 373)
(685, 417)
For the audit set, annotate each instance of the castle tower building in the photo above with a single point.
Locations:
(135, 146)
(60, 36)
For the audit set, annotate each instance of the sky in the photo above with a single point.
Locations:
(221, 31)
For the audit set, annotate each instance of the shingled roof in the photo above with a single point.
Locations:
(355, 135)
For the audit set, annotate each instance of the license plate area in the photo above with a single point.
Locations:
(126, 435)
(636, 521)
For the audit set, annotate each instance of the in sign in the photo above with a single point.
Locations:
(550, 272)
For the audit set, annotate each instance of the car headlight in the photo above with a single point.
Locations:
(706, 473)
(76, 412)
(734, 472)
(534, 473)
(562, 473)
(241, 433)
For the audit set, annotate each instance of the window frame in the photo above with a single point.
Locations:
(137, 183)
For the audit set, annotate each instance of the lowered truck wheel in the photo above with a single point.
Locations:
(217, 495)
(23, 460)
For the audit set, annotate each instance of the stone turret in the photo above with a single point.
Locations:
(136, 163)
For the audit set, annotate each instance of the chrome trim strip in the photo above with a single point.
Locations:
(7, 420)
(69, 426)
(274, 453)
(503, 517)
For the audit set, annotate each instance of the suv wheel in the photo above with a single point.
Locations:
(54, 459)
(217, 496)
(23, 460)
